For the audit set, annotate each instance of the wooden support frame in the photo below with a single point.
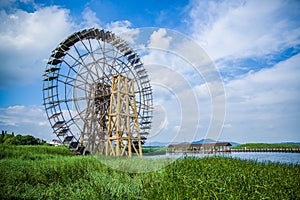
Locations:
(123, 135)
(95, 120)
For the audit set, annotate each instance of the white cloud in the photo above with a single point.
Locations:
(90, 19)
(122, 29)
(27, 39)
(245, 28)
(119, 26)
(6, 3)
(23, 30)
(159, 39)
(26, 120)
(264, 106)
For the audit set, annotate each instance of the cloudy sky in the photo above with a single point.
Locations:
(248, 93)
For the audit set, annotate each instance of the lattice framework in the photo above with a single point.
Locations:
(123, 136)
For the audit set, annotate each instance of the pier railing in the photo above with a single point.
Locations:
(287, 150)
(283, 150)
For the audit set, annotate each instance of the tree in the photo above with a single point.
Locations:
(2, 137)
(19, 139)
(12, 141)
(7, 136)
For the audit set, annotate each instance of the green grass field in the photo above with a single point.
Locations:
(41, 172)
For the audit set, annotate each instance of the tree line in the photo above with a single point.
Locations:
(11, 139)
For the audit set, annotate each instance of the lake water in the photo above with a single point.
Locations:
(289, 158)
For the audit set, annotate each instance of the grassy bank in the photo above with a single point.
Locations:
(52, 173)
(147, 151)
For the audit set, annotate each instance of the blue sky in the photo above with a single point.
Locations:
(254, 45)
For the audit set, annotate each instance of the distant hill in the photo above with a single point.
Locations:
(234, 143)
(157, 144)
(204, 141)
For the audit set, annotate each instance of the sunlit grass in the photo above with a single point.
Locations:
(55, 174)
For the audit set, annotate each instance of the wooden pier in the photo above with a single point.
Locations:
(223, 147)
(283, 150)
(270, 150)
